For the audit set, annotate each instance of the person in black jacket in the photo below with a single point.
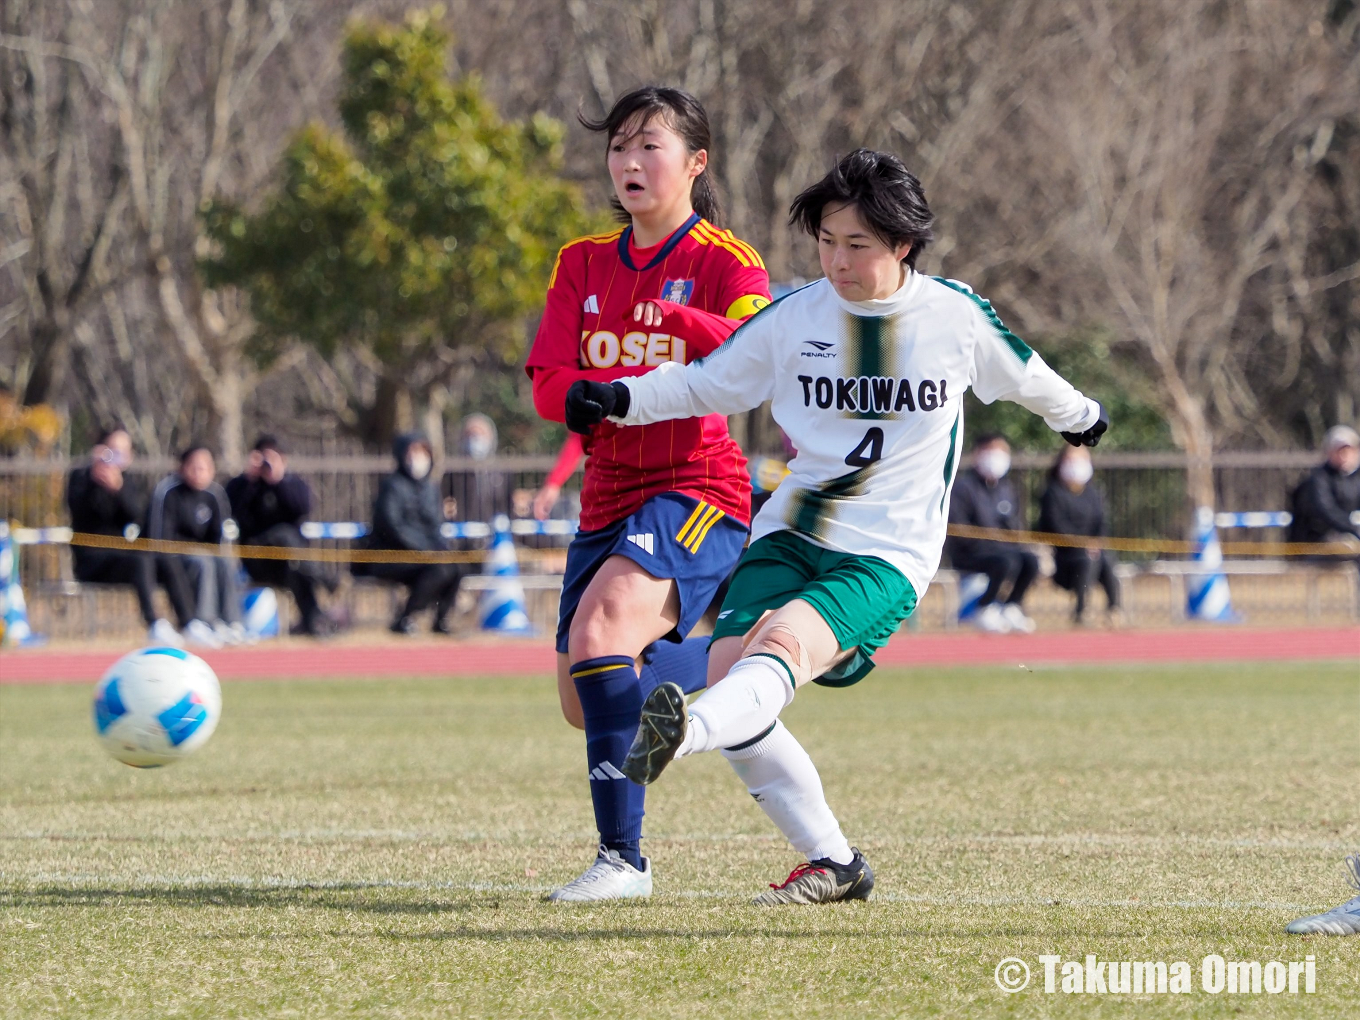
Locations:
(1324, 502)
(189, 506)
(103, 500)
(269, 505)
(1071, 505)
(408, 514)
(983, 498)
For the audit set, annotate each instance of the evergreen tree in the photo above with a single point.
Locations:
(421, 235)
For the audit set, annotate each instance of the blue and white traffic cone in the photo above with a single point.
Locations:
(260, 612)
(971, 589)
(1206, 593)
(503, 608)
(14, 629)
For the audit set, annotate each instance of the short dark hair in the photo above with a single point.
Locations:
(269, 441)
(987, 438)
(108, 431)
(890, 200)
(192, 449)
(680, 112)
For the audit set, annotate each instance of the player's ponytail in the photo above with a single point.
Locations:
(684, 115)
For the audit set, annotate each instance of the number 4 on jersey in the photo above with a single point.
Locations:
(869, 450)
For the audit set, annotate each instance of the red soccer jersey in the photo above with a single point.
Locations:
(706, 281)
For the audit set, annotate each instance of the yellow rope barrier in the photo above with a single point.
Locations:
(270, 552)
(1156, 545)
(275, 552)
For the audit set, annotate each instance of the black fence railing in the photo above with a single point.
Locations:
(1145, 493)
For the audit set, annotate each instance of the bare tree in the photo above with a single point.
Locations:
(1187, 146)
(63, 210)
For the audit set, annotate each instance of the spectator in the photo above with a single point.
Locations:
(189, 506)
(407, 515)
(269, 505)
(1325, 502)
(104, 501)
(1071, 505)
(482, 492)
(568, 460)
(983, 498)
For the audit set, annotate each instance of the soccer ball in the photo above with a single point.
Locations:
(156, 706)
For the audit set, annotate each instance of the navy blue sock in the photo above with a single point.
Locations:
(685, 663)
(611, 702)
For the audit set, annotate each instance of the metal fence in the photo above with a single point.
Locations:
(1144, 492)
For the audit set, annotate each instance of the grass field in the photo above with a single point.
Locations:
(379, 849)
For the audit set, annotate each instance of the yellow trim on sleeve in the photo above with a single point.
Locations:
(703, 229)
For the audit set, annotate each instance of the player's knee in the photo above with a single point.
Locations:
(569, 699)
(783, 644)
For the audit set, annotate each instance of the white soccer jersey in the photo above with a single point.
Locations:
(871, 396)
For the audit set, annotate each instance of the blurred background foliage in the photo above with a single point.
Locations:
(423, 234)
(330, 220)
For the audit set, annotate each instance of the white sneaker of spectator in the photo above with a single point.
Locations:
(990, 619)
(229, 633)
(241, 636)
(1016, 617)
(199, 634)
(163, 632)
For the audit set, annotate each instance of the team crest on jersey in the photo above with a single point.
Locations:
(679, 291)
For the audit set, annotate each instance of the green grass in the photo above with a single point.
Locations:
(379, 849)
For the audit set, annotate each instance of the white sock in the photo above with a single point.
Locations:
(781, 777)
(738, 707)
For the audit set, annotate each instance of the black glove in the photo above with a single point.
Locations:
(589, 403)
(1092, 435)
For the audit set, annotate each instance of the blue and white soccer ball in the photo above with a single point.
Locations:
(156, 706)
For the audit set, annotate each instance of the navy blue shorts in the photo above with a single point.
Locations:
(671, 536)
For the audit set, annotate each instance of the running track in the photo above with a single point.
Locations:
(511, 658)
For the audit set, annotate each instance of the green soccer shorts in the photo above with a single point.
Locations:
(863, 599)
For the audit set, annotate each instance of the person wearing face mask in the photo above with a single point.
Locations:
(1072, 506)
(408, 514)
(984, 498)
(1325, 502)
(483, 491)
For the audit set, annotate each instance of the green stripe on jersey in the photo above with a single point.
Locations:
(949, 460)
(1018, 347)
(869, 352)
(810, 510)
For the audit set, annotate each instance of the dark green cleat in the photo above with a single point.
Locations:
(661, 731)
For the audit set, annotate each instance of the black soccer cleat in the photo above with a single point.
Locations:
(822, 881)
(661, 731)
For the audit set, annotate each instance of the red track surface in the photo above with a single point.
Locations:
(37, 666)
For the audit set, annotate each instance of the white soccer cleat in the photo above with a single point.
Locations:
(1342, 920)
(163, 633)
(1016, 617)
(609, 878)
(990, 619)
(199, 634)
